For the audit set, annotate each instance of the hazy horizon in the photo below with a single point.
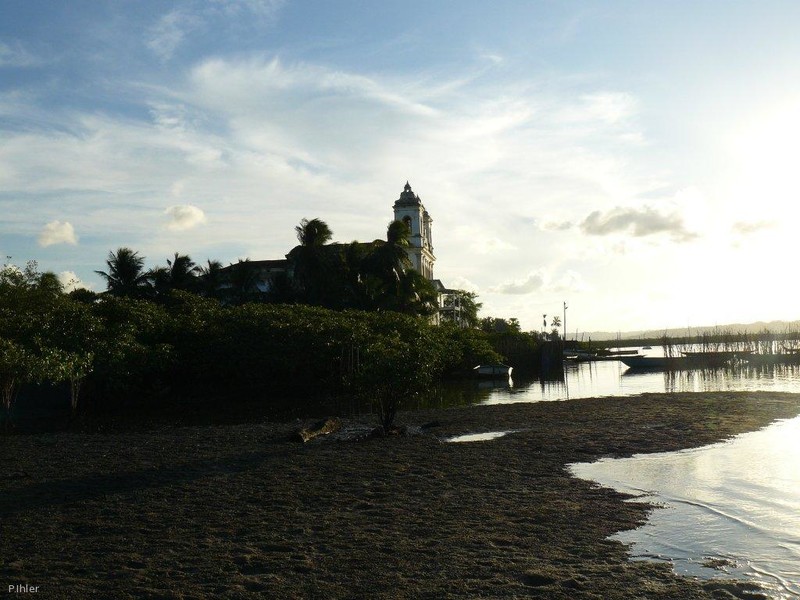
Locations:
(634, 159)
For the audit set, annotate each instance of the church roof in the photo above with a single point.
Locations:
(408, 197)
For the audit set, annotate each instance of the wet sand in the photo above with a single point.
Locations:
(240, 511)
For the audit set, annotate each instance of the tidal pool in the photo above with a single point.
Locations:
(479, 437)
(731, 509)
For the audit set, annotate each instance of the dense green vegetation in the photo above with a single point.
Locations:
(185, 348)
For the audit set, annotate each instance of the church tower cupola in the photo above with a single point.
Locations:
(409, 209)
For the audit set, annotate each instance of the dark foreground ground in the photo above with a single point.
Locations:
(238, 511)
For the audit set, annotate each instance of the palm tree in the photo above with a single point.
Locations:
(312, 273)
(211, 279)
(384, 268)
(313, 233)
(416, 296)
(126, 275)
(182, 272)
(243, 282)
(179, 274)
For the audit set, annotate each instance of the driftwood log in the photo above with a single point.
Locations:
(324, 427)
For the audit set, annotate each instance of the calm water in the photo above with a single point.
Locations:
(735, 504)
(612, 378)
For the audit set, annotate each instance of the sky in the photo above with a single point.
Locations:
(637, 161)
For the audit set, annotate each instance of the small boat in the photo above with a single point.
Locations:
(716, 358)
(495, 370)
(689, 360)
(655, 362)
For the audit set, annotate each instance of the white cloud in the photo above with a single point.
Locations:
(639, 222)
(542, 282)
(556, 225)
(183, 217)
(57, 232)
(461, 283)
(532, 283)
(71, 281)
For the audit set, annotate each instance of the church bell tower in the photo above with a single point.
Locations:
(409, 209)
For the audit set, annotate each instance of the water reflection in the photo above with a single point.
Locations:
(612, 378)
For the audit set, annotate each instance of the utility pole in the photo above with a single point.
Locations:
(565, 321)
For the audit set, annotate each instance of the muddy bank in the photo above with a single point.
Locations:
(241, 511)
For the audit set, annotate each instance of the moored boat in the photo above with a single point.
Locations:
(655, 362)
(688, 360)
(495, 370)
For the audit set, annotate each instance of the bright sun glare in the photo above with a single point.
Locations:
(767, 153)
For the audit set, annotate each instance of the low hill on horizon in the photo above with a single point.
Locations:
(759, 326)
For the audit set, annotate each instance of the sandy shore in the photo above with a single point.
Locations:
(239, 511)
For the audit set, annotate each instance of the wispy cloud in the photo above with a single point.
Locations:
(169, 32)
(57, 232)
(175, 27)
(265, 9)
(638, 222)
(542, 281)
(749, 227)
(15, 55)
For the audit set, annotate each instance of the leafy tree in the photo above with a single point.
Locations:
(84, 295)
(44, 334)
(499, 325)
(15, 369)
(464, 307)
(126, 275)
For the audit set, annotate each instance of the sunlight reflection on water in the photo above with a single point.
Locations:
(736, 503)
